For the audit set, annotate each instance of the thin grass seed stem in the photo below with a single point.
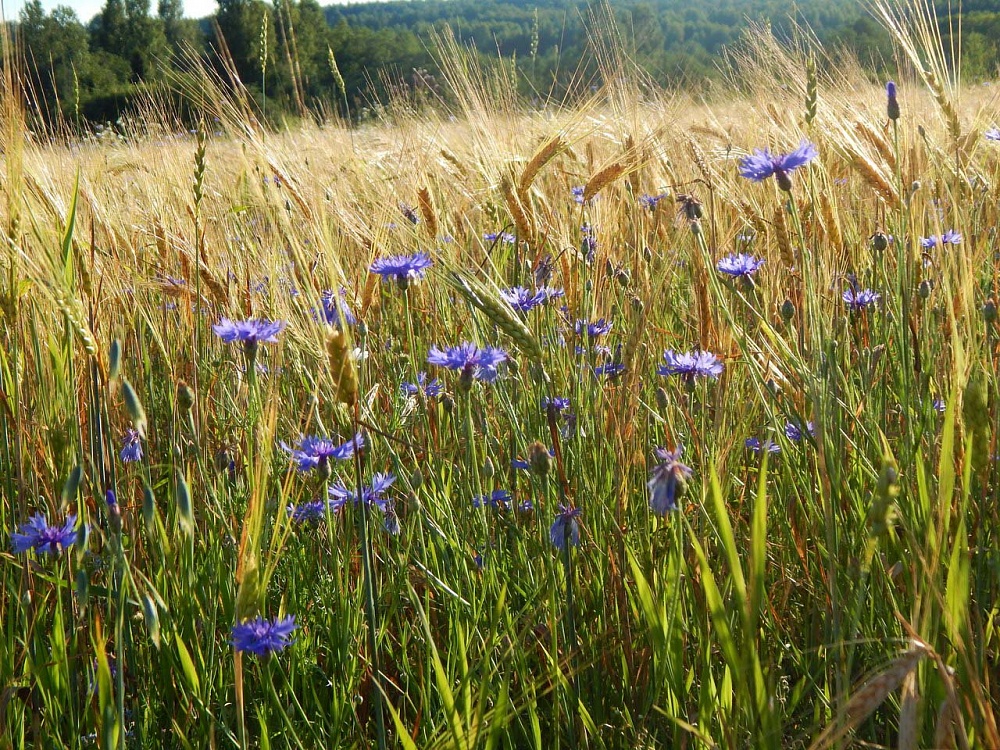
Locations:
(369, 582)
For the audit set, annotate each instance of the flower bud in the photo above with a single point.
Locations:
(539, 459)
(787, 310)
(892, 103)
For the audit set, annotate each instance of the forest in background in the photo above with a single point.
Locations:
(310, 61)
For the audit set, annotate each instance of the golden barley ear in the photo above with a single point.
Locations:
(520, 212)
(543, 156)
(602, 178)
(428, 213)
(870, 696)
(873, 176)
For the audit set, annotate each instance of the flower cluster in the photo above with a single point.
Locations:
(951, 237)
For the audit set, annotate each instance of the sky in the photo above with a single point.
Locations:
(87, 9)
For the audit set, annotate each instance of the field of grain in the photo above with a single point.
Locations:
(510, 427)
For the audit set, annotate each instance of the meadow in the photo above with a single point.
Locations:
(509, 427)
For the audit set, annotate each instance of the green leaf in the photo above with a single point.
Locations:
(187, 665)
(725, 532)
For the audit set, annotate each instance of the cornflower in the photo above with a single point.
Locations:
(430, 389)
(565, 529)
(474, 362)
(760, 165)
(951, 237)
(402, 268)
(740, 265)
(754, 445)
(36, 534)
(263, 637)
(131, 447)
(794, 431)
(316, 452)
(667, 480)
(860, 300)
(691, 365)
(523, 301)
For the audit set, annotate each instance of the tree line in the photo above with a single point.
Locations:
(296, 57)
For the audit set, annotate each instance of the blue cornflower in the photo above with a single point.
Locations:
(263, 637)
(403, 268)
(565, 528)
(667, 480)
(860, 300)
(756, 446)
(522, 300)
(131, 447)
(556, 403)
(249, 332)
(951, 237)
(36, 534)
(939, 405)
(760, 165)
(498, 499)
(610, 370)
(506, 237)
(593, 329)
(793, 430)
(374, 494)
(431, 389)
(577, 192)
(311, 512)
(993, 134)
(740, 265)
(650, 202)
(691, 365)
(334, 308)
(316, 452)
(474, 362)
